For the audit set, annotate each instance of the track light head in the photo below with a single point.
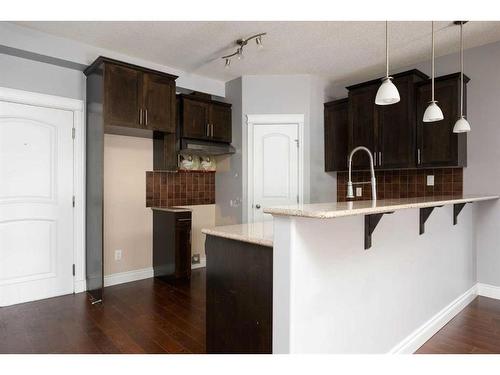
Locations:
(240, 53)
(258, 40)
(228, 63)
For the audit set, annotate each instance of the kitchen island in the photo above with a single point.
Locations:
(371, 276)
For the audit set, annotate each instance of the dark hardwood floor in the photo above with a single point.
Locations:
(476, 329)
(151, 316)
(147, 316)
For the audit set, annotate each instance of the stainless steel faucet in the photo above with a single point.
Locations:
(350, 192)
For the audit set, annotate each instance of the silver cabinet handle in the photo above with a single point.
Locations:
(208, 130)
(212, 125)
(140, 116)
(379, 158)
(146, 117)
(374, 159)
(418, 156)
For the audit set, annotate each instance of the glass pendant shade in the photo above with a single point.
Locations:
(433, 112)
(387, 93)
(461, 126)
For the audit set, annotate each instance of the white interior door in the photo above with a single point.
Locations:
(36, 190)
(275, 167)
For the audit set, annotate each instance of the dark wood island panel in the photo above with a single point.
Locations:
(239, 296)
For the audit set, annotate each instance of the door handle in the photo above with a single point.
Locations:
(212, 130)
(257, 206)
(379, 158)
(146, 117)
(140, 116)
(374, 159)
(208, 130)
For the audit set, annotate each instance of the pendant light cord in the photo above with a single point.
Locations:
(432, 81)
(386, 50)
(461, 69)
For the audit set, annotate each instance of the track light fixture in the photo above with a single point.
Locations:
(241, 43)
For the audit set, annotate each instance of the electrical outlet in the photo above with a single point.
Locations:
(118, 254)
(195, 259)
(430, 180)
(359, 192)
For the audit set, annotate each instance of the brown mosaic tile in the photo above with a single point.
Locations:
(404, 183)
(167, 189)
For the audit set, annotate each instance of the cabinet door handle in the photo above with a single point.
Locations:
(418, 156)
(212, 127)
(374, 159)
(379, 158)
(208, 130)
(140, 116)
(146, 117)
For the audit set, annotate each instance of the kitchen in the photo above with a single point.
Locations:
(245, 188)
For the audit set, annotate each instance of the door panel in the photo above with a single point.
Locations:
(36, 214)
(195, 119)
(275, 167)
(362, 120)
(220, 119)
(396, 129)
(122, 96)
(159, 101)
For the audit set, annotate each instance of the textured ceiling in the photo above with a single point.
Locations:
(341, 51)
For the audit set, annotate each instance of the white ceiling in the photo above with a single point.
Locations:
(339, 50)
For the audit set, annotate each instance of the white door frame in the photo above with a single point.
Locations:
(76, 106)
(273, 119)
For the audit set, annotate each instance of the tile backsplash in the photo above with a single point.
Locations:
(404, 183)
(167, 189)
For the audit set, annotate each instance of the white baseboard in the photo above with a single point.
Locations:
(202, 264)
(126, 277)
(418, 337)
(487, 290)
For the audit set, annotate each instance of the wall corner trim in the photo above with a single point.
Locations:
(418, 337)
(487, 290)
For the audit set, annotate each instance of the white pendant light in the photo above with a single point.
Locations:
(387, 92)
(462, 125)
(433, 112)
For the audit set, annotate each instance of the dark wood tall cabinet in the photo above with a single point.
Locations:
(336, 124)
(437, 145)
(121, 99)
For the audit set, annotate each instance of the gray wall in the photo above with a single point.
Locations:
(23, 74)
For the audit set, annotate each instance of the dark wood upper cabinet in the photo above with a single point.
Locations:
(220, 122)
(159, 102)
(396, 125)
(136, 97)
(122, 95)
(194, 120)
(336, 128)
(437, 145)
(204, 119)
(362, 119)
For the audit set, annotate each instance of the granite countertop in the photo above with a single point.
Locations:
(260, 233)
(171, 209)
(339, 209)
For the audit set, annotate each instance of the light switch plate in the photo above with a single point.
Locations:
(430, 180)
(118, 254)
(359, 192)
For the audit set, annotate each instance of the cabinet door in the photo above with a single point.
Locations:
(437, 145)
(362, 120)
(159, 102)
(396, 129)
(336, 140)
(182, 247)
(122, 98)
(195, 119)
(220, 122)
(164, 151)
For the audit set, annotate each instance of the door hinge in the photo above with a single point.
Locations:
(73, 201)
(73, 133)
(73, 270)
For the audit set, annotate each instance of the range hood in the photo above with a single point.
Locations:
(196, 147)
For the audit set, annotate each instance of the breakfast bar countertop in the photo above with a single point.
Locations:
(260, 233)
(340, 209)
